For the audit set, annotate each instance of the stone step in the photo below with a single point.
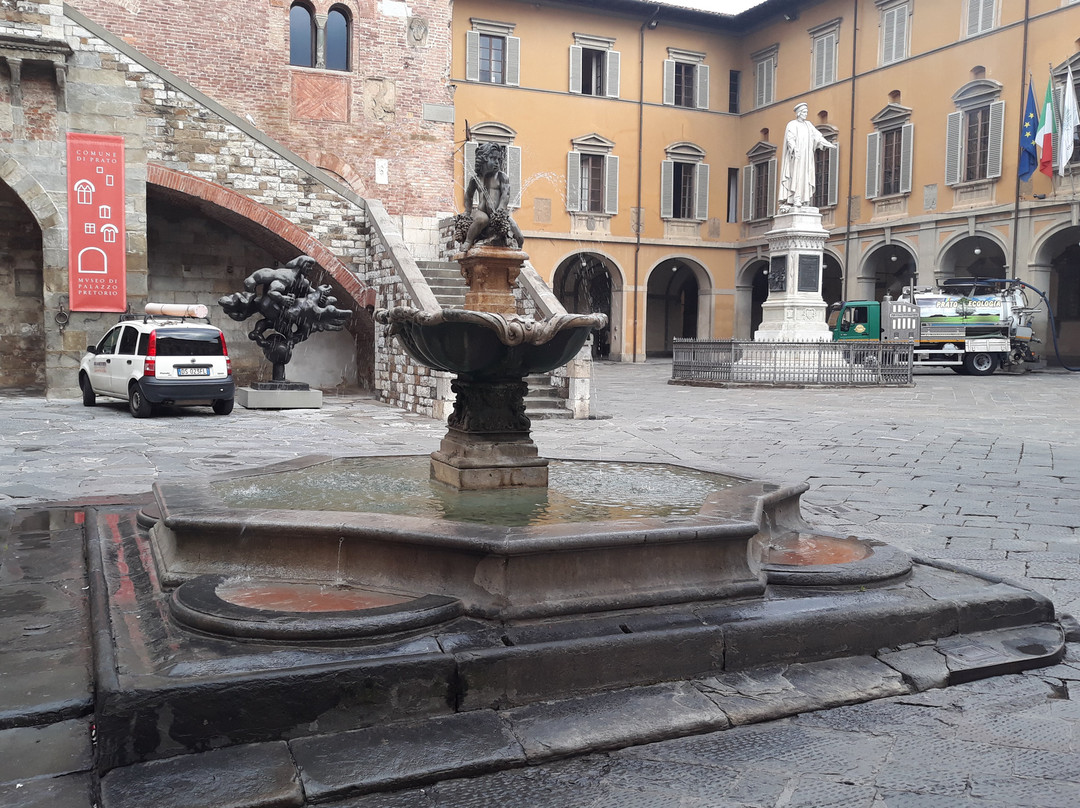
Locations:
(445, 281)
(330, 769)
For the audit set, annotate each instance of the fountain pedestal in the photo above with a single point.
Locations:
(491, 273)
(488, 444)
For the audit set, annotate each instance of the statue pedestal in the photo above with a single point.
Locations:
(795, 310)
(279, 395)
(491, 273)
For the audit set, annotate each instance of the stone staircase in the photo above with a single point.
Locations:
(446, 282)
(543, 401)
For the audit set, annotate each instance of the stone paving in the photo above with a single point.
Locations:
(984, 472)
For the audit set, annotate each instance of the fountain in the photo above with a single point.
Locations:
(329, 594)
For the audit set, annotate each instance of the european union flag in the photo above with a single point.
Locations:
(1029, 157)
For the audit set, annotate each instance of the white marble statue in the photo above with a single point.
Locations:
(801, 139)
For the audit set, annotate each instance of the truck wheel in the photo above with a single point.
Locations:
(980, 364)
(137, 403)
(89, 398)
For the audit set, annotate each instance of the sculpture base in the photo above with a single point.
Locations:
(256, 398)
(471, 462)
(491, 273)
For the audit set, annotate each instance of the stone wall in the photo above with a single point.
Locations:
(22, 330)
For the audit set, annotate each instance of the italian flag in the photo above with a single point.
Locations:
(1047, 131)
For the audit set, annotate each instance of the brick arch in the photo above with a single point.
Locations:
(262, 217)
(335, 165)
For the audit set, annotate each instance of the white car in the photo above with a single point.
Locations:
(164, 357)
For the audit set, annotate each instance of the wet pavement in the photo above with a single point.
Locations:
(983, 472)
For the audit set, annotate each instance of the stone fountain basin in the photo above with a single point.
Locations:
(485, 345)
(499, 571)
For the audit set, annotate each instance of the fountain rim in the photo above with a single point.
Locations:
(194, 505)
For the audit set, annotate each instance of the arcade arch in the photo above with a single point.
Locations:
(678, 304)
(22, 305)
(1057, 259)
(975, 256)
(590, 282)
(886, 270)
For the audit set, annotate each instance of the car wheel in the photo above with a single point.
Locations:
(89, 398)
(223, 406)
(140, 407)
(980, 363)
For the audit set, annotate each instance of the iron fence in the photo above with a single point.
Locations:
(862, 363)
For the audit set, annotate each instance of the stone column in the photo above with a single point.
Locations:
(795, 310)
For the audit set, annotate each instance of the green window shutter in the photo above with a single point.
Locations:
(953, 131)
(472, 56)
(667, 189)
(873, 164)
(611, 189)
(575, 68)
(573, 181)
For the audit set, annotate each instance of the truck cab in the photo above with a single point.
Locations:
(856, 320)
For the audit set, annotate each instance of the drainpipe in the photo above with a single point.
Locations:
(851, 152)
(650, 24)
(1014, 270)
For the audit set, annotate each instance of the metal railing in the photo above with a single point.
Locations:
(862, 363)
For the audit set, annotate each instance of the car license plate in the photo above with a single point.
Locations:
(195, 371)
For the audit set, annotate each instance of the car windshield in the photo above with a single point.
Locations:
(188, 342)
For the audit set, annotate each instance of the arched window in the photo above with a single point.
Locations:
(301, 36)
(337, 39)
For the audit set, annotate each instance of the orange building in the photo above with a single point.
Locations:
(643, 144)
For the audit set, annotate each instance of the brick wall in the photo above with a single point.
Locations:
(238, 54)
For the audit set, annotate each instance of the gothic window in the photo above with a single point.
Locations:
(301, 36)
(338, 32)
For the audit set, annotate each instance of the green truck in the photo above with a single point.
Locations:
(971, 326)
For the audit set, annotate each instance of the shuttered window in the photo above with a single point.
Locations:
(980, 16)
(764, 80)
(684, 191)
(889, 157)
(826, 175)
(824, 59)
(592, 183)
(492, 59)
(894, 39)
(686, 84)
(594, 71)
(974, 142)
(759, 190)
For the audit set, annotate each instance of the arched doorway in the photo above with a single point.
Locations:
(891, 267)
(832, 280)
(673, 306)
(22, 326)
(585, 283)
(1061, 252)
(973, 257)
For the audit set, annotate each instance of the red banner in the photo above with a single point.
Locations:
(97, 268)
